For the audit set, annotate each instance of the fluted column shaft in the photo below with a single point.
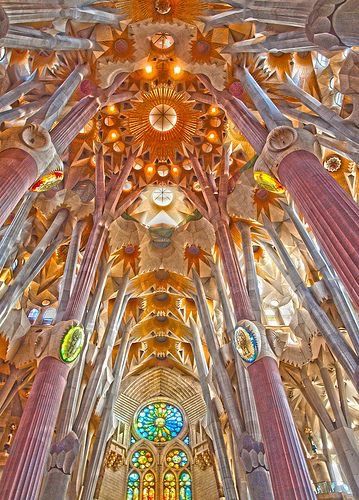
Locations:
(22, 474)
(267, 420)
(250, 268)
(18, 171)
(331, 214)
(67, 129)
(289, 473)
(12, 232)
(239, 295)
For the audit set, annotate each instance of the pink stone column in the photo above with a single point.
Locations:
(18, 171)
(287, 465)
(23, 471)
(329, 211)
(239, 294)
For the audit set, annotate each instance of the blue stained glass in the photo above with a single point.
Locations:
(159, 422)
(133, 486)
(185, 483)
(186, 440)
(132, 440)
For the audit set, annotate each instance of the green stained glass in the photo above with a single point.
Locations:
(159, 422)
(185, 486)
(72, 344)
(176, 459)
(142, 459)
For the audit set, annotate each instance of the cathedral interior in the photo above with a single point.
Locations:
(179, 249)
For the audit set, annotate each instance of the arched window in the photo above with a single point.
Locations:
(133, 486)
(33, 314)
(177, 481)
(185, 486)
(169, 486)
(141, 483)
(149, 484)
(49, 316)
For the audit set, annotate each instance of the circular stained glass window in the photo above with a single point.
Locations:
(142, 459)
(162, 196)
(176, 459)
(163, 117)
(159, 422)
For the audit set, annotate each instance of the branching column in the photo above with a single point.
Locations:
(287, 153)
(214, 423)
(288, 469)
(24, 468)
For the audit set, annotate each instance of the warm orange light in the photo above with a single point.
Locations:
(213, 110)
(175, 170)
(211, 136)
(177, 70)
(113, 135)
(93, 161)
(111, 109)
(148, 68)
(150, 170)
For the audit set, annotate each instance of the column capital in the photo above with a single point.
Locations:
(34, 140)
(281, 141)
(64, 341)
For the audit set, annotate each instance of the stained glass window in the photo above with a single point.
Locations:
(133, 486)
(176, 459)
(33, 314)
(159, 422)
(186, 440)
(185, 486)
(148, 486)
(169, 486)
(132, 440)
(142, 459)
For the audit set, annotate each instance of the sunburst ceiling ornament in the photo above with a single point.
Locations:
(162, 10)
(163, 120)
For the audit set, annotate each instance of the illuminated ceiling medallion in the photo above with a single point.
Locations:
(162, 196)
(245, 344)
(163, 117)
(184, 11)
(163, 120)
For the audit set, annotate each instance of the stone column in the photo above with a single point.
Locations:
(240, 115)
(214, 423)
(289, 472)
(343, 352)
(242, 309)
(23, 470)
(331, 214)
(14, 229)
(70, 268)
(106, 426)
(42, 430)
(26, 273)
(252, 452)
(25, 153)
(349, 317)
(250, 268)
